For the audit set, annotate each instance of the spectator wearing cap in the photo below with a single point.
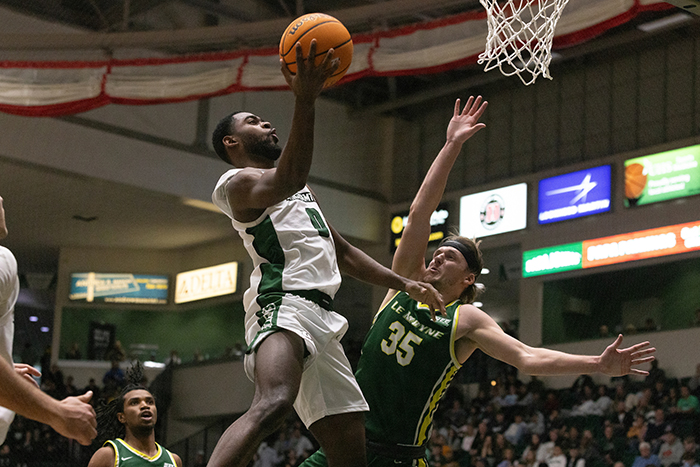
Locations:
(671, 449)
(645, 457)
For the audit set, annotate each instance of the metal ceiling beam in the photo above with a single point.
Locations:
(262, 31)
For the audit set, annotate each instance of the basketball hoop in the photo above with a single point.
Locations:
(520, 37)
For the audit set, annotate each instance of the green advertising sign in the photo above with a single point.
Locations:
(663, 176)
(553, 259)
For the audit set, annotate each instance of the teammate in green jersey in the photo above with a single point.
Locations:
(128, 423)
(409, 358)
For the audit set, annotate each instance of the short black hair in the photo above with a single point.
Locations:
(223, 128)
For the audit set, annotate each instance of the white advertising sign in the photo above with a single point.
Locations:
(493, 212)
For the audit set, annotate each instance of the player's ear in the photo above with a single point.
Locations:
(469, 279)
(230, 141)
(121, 417)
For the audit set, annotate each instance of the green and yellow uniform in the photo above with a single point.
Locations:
(408, 362)
(127, 456)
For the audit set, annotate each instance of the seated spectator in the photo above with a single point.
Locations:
(508, 458)
(671, 450)
(516, 432)
(456, 415)
(536, 423)
(544, 452)
(557, 459)
(655, 374)
(694, 381)
(482, 434)
(636, 433)
(575, 458)
(468, 436)
(687, 403)
(533, 446)
(589, 448)
(612, 447)
(500, 444)
(499, 425)
(656, 428)
(621, 419)
(603, 403)
(114, 377)
(690, 446)
(688, 460)
(645, 457)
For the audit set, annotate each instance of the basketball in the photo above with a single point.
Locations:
(635, 181)
(329, 34)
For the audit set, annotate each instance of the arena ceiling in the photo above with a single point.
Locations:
(175, 27)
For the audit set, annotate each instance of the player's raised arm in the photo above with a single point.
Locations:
(409, 259)
(261, 184)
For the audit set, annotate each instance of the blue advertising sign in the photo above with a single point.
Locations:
(575, 194)
(119, 288)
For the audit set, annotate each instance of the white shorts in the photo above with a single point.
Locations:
(328, 386)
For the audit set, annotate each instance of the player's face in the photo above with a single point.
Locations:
(447, 268)
(139, 410)
(257, 136)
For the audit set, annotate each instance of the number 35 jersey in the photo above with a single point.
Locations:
(290, 245)
(408, 361)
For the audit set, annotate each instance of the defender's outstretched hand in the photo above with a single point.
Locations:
(616, 362)
(426, 293)
(464, 124)
(309, 79)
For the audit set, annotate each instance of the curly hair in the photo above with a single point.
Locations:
(223, 128)
(108, 424)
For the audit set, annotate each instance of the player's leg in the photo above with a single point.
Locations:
(342, 438)
(278, 368)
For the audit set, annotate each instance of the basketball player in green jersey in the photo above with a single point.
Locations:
(408, 359)
(128, 423)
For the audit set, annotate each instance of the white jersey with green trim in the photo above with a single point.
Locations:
(290, 245)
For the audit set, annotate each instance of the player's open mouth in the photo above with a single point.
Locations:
(273, 133)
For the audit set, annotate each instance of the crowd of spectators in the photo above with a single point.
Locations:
(621, 424)
(509, 423)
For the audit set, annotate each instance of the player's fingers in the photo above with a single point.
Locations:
(468, 106)
(641, 353)
(635, 371)
(639, 361)
(474, 104)
(639, 346)
(455, 113)
(481, 110)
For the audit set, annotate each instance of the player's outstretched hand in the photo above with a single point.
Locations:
(309, 79)
(619, 362)
(76, 419)
(464, 124)
(27, 371)
(426, 293)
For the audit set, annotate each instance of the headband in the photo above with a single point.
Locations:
(462, 249)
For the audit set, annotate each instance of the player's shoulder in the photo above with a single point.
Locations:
(177, 459)
(473, 316)
(103, 457)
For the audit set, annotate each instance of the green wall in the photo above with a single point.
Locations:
(209, 329)
(675, 284)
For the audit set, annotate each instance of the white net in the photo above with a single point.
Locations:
(520, 36)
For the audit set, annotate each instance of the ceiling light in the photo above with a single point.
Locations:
(44, 329)
(478, 304)
(33, 319)
(485, 271)
(666, 22)
(151, 364)
(198, 203)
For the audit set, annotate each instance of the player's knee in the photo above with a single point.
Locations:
(274, 408)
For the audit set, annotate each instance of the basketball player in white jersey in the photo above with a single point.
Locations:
(294, 354)
(73, 417)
